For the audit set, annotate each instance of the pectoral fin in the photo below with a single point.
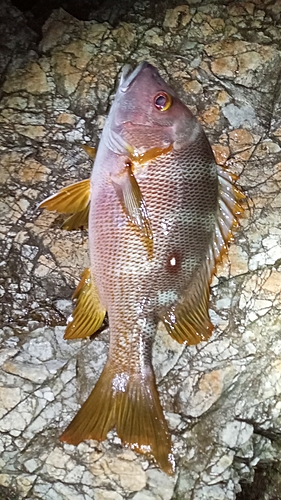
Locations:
(88, 314)
(131, 198)
(150, 154)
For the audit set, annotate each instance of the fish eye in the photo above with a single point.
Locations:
(162, 101)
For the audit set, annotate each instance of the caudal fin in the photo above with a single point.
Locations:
(131, 404)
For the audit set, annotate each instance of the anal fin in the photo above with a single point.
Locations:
(88, 314)
(131, 404)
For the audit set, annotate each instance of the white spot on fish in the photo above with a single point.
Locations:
(167, 297)
(120, 381)
(165, 228)
(173, 261)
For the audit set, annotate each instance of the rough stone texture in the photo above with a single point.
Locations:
(17, 40)
(222, 399)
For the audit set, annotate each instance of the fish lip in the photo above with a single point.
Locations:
(128, 75)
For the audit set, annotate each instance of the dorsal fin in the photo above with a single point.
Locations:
(188, 320)
(229, 211)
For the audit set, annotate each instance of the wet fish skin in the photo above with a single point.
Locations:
(157, 228)
(180, 190)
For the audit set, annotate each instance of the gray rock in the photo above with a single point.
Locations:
(222, 399)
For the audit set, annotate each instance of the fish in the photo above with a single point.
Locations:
(161, 214)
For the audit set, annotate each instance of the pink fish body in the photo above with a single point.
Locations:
(161, 214)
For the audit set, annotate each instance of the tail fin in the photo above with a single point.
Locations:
(131, 404)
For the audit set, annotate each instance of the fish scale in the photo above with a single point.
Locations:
(161, 213)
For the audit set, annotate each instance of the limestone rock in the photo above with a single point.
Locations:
(222, 399)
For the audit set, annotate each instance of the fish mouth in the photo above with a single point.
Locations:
(128, 75)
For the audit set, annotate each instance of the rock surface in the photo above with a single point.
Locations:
(222, 399)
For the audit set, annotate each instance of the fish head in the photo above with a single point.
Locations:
(147, 113)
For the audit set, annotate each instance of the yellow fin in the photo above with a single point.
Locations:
(77, 220)
(150, 154)
(189, 321)
(70, 199)
(88, 314)
(130, 196)
(141, 424)
(230, 210)
(130, 404)
(91, 152)
(96, 416)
